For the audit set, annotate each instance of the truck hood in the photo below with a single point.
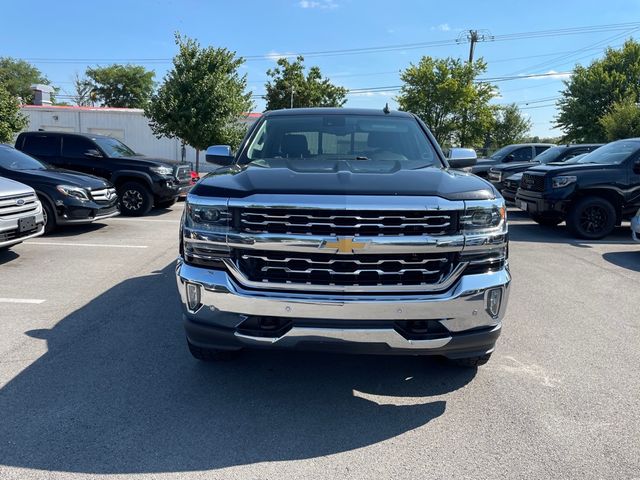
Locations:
(513, 166)
(558, 168)
(10, 188)
(54, 176)
(141, 160)
(344, 179)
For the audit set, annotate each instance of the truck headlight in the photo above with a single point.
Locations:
(165, 171)
(213, 216)
(483, 215)
(71, 191)
(562, 181)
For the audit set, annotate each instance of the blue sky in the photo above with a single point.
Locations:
(65, 37)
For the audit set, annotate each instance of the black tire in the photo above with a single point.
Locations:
(135, 199)
(472, 362)
(546, 221)
(591, 218)
(50, 223)
(211, 354)
(166, 203)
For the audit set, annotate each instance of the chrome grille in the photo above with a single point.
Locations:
(353, 270)
(104, 195)
(534, 183)
(495, 176)
(183, 172)
(341, 222)
(18, 204)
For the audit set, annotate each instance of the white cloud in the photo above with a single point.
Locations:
(319, 4)
(550, 74)
(373, 94)
(275, 56)
(443, 27)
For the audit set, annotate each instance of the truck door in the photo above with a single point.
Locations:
(45, 147)
(80, 154)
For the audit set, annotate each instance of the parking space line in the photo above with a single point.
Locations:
(73, 244)
(21, 300)
(137, 220)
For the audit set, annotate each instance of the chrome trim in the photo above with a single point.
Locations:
(80, 221)
(386, 336)
(103, 194)
(443, 284)
(15, 241)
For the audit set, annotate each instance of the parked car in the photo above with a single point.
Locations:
(67, 197)
(516, 153)
(343, 229)
(20, 213)
(592, 194)
(635, 227)
(141, 182)
(558, 154)
(511, 184)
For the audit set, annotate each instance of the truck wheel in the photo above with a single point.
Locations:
(166, 203)
(472, 362)
(211, 354)
(49, 216)
(135, 199)
(591, 218)
(546, 221)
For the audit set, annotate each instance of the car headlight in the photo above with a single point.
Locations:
(482, 215)
(162, 170)
(212, 216)
(72, 191)
(562, 181)
(497, 176)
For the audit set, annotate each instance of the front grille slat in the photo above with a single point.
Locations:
(104, 195)
(531, 182)
(338, 222)
(9, 206)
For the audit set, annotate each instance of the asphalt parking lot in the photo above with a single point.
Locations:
(96, 379)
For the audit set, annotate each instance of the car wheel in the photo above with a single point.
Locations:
(211, 354)
(166, 203)
(591, 218)
(135, 199)
(546, 221)
(50, 223)
(472, 362)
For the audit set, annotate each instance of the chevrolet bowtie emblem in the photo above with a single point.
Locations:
(345, 245)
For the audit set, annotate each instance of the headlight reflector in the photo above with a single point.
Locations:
(483, 217)
(562, 181)
(71, 191)
(212, 217)
(162, 170)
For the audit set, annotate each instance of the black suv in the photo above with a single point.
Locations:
(516, 153)
(141, 182)
(593, 193)
(559, 154)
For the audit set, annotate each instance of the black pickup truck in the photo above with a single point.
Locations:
(343, 229)
(593, 194)
(141, 182)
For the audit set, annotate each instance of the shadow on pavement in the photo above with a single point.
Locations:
(74, 230)
(117, 392)
(629, 260)
(7, 255)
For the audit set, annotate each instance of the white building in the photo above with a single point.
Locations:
(126, 124)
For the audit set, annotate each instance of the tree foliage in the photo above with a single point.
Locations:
(622, 120)
(442, 92)
(509, 126)
(592, 91)
(85, 95)
(124, 86)
(308, 91)
(17, 76)
(202, 97)
(11, 119)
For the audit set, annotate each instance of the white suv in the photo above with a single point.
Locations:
(20, 213)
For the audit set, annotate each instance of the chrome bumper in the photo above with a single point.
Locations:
(225, 304)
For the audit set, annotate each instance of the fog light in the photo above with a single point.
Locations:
(193, 296)
(493, 301)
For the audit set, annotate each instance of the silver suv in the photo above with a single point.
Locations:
(20, 213)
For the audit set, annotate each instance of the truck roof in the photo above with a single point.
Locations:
(336, 111)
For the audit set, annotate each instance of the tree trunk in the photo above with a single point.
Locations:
(197, 161)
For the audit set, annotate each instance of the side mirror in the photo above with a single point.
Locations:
(219, 155)
(93, 153)
(462, 157)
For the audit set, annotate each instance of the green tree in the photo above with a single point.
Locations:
(202, 97)
(11, 119)
(509, 126)
(17, 76)
(443, 93)
(592, 91)
(124, 86)
(85, 95)
(622, 121)
(289, 87)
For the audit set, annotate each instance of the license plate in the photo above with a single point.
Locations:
(26, 224)
(523, 206)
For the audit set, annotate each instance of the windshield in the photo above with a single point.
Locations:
(113, 147)
(503, 152)
(549, 155)
(15, 160)
(367, 142)
(612, 154)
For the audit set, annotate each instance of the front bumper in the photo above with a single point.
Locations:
(366, 323)
(168, 188)
(9, 234)
(635, 228)
(537, 203)
(70, 211)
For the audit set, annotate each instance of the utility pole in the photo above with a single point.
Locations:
(291, 103)
(473, 37)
